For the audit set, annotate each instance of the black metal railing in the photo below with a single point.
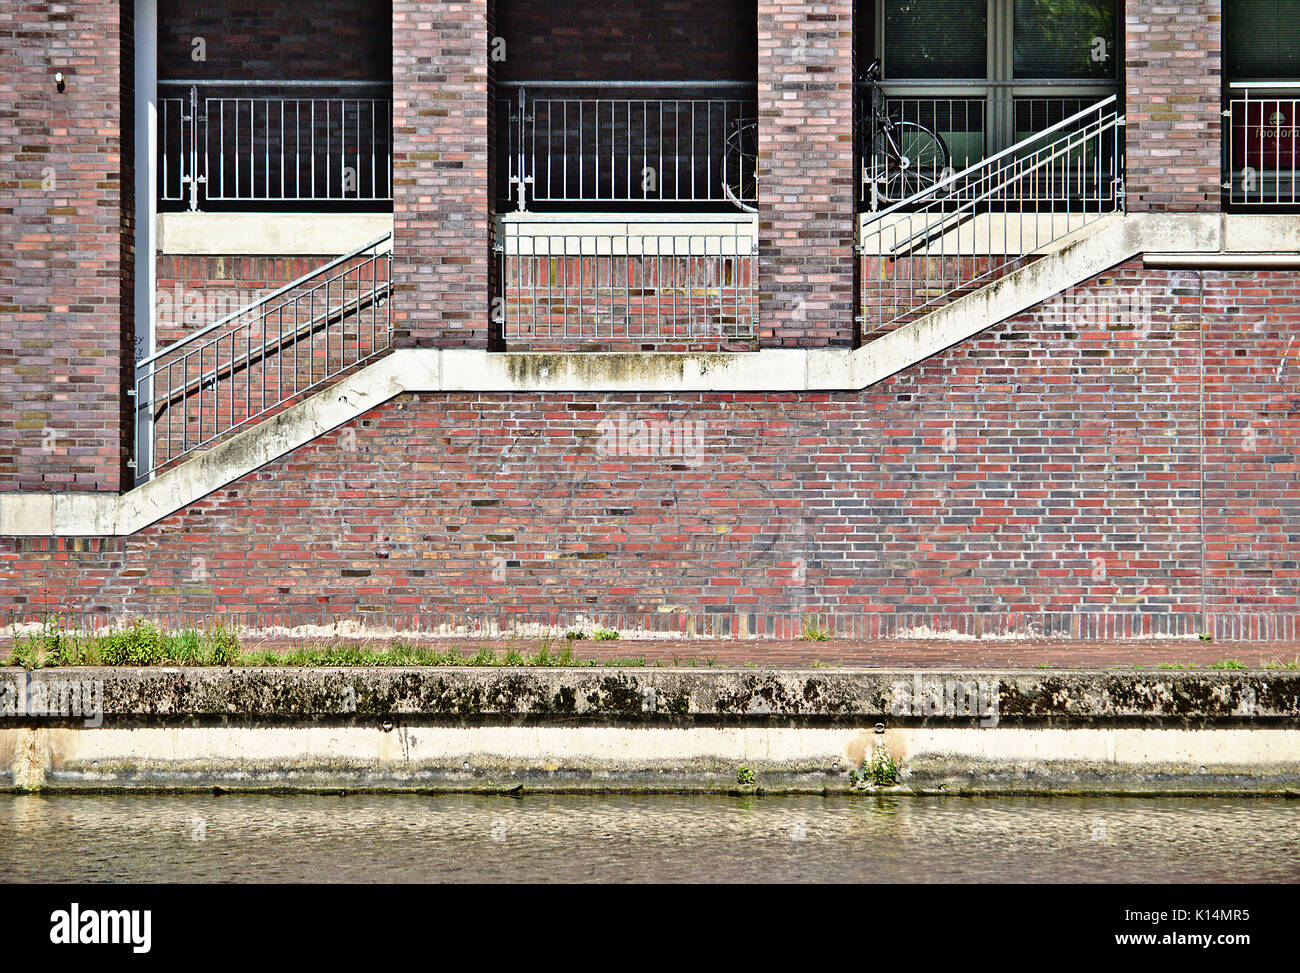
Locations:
(245, 144)
(561, 144)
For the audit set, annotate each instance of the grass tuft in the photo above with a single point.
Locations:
(813, 631)
(143, 643)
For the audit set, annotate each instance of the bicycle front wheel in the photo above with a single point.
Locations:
(739, 167)
(906, 159)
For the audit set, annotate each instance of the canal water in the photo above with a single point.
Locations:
(566, 838)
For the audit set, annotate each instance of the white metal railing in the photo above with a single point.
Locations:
(1261, 143)
(986, 220)
(635, 279)
(645, 142)
(236, 143)
(972, 119)
(248, 363)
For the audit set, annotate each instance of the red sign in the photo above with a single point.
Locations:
(1264, 134)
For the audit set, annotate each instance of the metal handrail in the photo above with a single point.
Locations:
(327, 315)
(1280, 85)
(266, 83)
(234, 315)
(979, 84)
(627, 84)
(228, 393)
(1060, 148)
(1070, 172)
(990, 160)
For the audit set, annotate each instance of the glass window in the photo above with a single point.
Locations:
(1064, 39)
(935, 39)
(1262, 40)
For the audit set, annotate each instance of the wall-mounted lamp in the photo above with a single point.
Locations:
(58, 80)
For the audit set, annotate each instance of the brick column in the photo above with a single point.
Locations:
(1173, 96)
(806, 209)
(66, 300)
(440, 173)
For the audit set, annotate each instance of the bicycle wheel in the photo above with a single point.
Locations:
(907, 158)
(739, 167)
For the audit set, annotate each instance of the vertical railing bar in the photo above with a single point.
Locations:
(723, 106)
(660, 170)
(694, 193)
(564, 280)
(248, 370)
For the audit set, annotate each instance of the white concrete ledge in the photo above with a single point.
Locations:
(770, 370)
(268, 234)
(628, 234)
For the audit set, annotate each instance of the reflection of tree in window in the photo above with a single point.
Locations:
(1065, 39)
(934, 39)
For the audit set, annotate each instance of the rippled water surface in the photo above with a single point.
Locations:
(251, 838)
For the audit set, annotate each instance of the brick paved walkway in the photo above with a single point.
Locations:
(897, 654)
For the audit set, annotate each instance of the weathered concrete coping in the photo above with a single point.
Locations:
(652, 696)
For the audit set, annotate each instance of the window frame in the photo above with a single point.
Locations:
(1000, 90)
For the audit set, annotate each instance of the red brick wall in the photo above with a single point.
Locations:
(440, 173)
(1056, 469)
(1174, 59)
(806, 184)
(1252, 439)
(276, 40)
(65, 277)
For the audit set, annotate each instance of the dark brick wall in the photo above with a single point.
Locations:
(275, 39)
(806, 184)
(1055, 469)
(65, 274)
(646, 40)
(440, 173)
(1174, 57)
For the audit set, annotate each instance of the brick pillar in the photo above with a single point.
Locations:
(806, 208)
(1173, 96)
(66, 303)
(440, 173)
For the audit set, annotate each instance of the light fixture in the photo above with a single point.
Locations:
(58, 80)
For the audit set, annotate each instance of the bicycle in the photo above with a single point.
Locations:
(905, 157)
(739, 165)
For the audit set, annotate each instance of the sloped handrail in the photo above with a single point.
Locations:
(982, 222)
(251, 361)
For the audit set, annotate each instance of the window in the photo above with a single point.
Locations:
(934, 39)
(1064, 39)
(1262, 40)
(986, 74)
